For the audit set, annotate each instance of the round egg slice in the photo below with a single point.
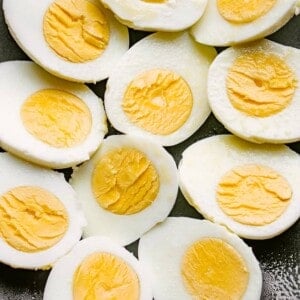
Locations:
(158, 88)
(75, 40)
(254, 91)
(47, 120)
(128, 186)
(252, 189)
(194, 259)
(230, 22)
(40, 218)
(97, 268)
(157, 15)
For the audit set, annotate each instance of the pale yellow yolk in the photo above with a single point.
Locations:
(244, 11)
(107, 277)
(253, 194)
(57, 118)
(76, 30)
(260, 84)
(159, 101)
(125, 181)
(31, 219)
(213, 270)
(155, 1)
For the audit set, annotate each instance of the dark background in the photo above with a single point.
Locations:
(279, 257)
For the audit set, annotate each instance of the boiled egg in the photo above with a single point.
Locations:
(252, 189)
(158, 88)
(75, 40)
(40, 218)
(230, 22)
(97, 268)
(128, 186)
(47, 120)
(194, 259)
(157, 15)
(254, 91)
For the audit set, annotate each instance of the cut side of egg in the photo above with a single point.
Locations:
(47, 120)
(230, 22)
(97, 268)
(157, 15)
(40, 217)
(254, 91)
(252, 189)
(75, 40)
(128, 186)
(194, 259)
(158, 88)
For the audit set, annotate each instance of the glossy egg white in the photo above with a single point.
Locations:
(21, 79)
(161, 250)
(204, 163)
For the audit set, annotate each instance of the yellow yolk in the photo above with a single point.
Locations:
(57, 118)
(31, 219)
(214, 270)
(253, 194)
(125, 182)
(107, 277)
(76, 30)
(159, 101)
(155, 1)
(260, 84)
(244, 11)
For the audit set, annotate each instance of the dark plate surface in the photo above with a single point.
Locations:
(279, 257)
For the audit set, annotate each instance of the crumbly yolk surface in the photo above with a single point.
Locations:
(159, 101)
(213, 270)
(57, 118)
(253, 194)
(244, 11)
(105, 276)
(260, 84)
(125, 181)
(76, 30)
(31, 218)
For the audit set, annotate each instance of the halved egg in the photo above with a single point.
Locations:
(254, 91)
(75, 40)
(97, 268)
(157, 15)
(40, 218)
(252, 189)
(128, 186)
(194, 259)
(47, 120)
(158, 88)
(230, 22)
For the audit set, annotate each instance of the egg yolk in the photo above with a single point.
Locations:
(213, 270)
(159, 101)
(125, 181)
(57, 118)
(32, 219)
(76, 30)
(105, 276)
(253, 194)
(260, 84)
(244, 11)
(155, 1)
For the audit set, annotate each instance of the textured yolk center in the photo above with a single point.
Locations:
(76, 30)
(107, 277)
(244, 11)
(214, 270)
(125, 181)
(159, 101)
(253, 194)
(31, 218)
(260, 84)
(155, 1)
(57, 118)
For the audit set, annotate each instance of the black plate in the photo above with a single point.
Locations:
(279, 257)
